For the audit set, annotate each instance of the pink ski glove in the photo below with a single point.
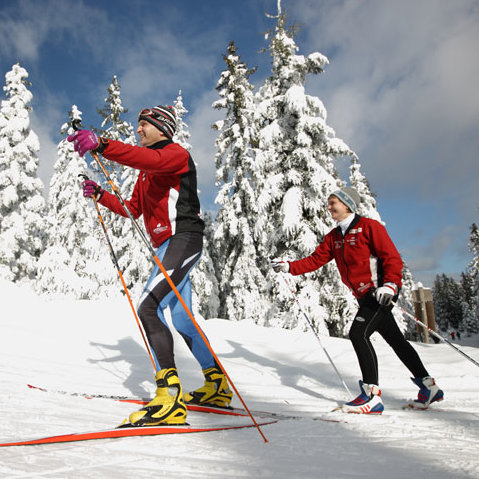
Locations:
(92, 190)
(84, 140)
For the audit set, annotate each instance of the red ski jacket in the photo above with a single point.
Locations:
(366, 256)
(165, 192)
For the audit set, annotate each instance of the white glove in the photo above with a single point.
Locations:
(280, 266)
(386, 293)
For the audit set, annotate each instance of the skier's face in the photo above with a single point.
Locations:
(149, 134)
(338, 210)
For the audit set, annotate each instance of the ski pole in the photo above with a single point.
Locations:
(168, 279)
(117, 266)
(442, 338)
(315, 333)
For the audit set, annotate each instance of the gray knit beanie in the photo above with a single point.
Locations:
(349, 196)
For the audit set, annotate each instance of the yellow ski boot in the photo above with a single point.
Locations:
(215, 392)
(167, 407)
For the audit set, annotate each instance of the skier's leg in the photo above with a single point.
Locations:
(151, 315)
(178, 255)
(364, 324)
(428, 390)
(391, 333)
(216, 390)
(187, 329)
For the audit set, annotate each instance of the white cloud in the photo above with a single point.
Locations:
(401, 83)
(27, 25)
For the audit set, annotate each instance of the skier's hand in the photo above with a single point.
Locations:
(386, 293)
(84, 140)
(92, 190)
(279, 265)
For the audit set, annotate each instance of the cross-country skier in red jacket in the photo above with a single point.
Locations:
(371, 267)
(166, 195)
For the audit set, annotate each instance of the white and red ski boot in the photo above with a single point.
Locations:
(429, 392)
(368, 402)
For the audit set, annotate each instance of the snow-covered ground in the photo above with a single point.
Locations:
(95, 347)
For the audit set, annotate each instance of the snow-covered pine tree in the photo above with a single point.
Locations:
(368, 209)
(242, 285)
(468, 322)
(203, 279)
(182, 134)
(133, 257)
(22, 206)
(297, 154)
(405, 301)
(471, 309)
(360, 183)
(75, 261)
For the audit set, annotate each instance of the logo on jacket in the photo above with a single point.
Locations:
(159, 229)
(352, 241)
(338, 244)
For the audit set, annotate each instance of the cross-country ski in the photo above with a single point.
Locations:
(129, 431)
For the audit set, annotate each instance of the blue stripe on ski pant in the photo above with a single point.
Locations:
(160, 334)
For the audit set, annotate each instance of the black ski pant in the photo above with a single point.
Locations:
(178, 254)
(372, 317)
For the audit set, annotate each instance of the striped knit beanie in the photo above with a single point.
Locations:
(163, 117)
(348, 196)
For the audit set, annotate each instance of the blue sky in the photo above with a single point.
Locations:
(400, 89)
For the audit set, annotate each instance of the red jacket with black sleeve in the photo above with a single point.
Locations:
(366, 256)
(165, 192)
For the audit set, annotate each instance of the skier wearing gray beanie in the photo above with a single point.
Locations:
(371, 267)
(349, 197)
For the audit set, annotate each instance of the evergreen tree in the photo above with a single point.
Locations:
(297, 154)
(468, 322)
(447, 296)
(133, 257)
(203, 279)
(22, 206)
(471, 307)
(182, 134)
(359, 182)
(241, 282)
(74, 261)
(405, 301)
